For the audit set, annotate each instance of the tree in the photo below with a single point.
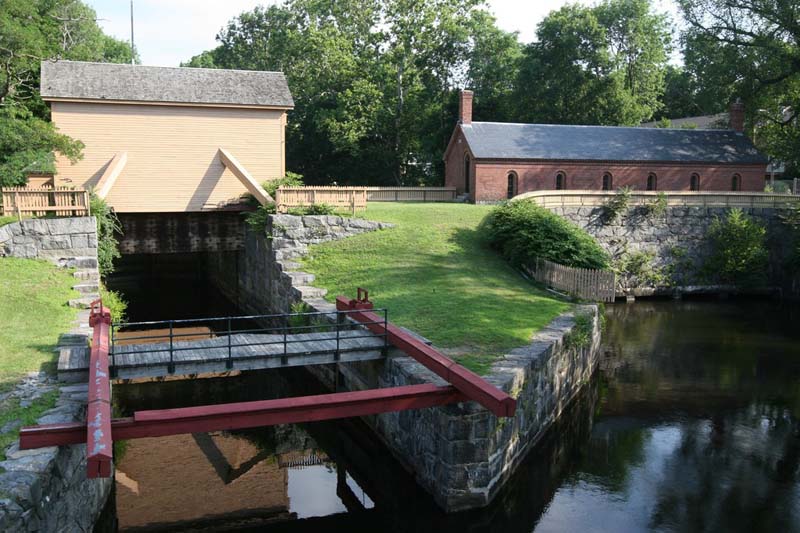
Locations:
(750, 49)
(30, 32)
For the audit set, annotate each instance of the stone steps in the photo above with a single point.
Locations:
(88, 287)
(83, 302)
(301, 278)
(305, 291)
(87, 274)
(79, 262)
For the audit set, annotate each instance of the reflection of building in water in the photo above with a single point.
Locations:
(205, 481)
(192, 480)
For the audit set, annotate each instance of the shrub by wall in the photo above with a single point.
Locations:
(739, 254)
(523, 231)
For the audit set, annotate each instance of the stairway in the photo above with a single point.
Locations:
(87, 280)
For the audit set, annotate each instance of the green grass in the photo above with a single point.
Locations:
(7, 220)
(34, 311)
(436, 275)
(10, 411)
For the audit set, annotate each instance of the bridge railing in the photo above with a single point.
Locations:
(152, 338)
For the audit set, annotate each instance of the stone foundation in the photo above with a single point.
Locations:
(461, 454)
(46, 489)
(677, 240)
(54, 239)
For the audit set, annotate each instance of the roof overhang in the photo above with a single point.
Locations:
(162, 103)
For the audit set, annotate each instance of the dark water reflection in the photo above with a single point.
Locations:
(691, 425)
(698, 426)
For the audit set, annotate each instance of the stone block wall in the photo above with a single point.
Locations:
(46, 489)
(265, 277)
(54, 239)
(676, 238)
(462, 454)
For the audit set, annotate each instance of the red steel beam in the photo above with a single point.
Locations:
(469, 383)
(98, 416)
(163, 422)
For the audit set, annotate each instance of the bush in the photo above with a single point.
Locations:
(522, 231)
(657, 207)
(290, 179)
(617, 204)
(108, 227)
(115, 303)
(738, 253)
(314, 209)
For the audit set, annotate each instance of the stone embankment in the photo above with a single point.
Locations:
(461, 454)
(47, 489)
(676, 241)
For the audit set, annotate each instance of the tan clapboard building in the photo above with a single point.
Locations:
(168, 140)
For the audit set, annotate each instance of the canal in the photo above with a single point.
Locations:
(691, 424)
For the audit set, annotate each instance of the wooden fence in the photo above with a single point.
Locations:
(584, 283)
(356, 198)
(41, 201)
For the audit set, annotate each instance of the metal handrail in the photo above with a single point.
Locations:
(284, 330)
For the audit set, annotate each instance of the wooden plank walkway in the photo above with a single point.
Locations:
(249, 351)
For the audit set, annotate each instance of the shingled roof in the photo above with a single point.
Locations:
(137, 83)
(496, 140)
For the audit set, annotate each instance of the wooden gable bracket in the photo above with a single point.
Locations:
(109, 177)
(252, 186)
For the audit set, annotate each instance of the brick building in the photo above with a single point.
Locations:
(492, 161)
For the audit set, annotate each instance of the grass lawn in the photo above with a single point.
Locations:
(7, 220)
(436, 275)
(33, 312)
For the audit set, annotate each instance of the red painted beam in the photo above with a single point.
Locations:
(163, 422)
(98, 417)
(469, 383)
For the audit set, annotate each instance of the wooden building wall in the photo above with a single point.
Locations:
(173, 163)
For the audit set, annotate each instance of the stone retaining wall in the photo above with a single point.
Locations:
(461, 454)
(676, 238)
(263, 278)
(46, 489)
(54, 239)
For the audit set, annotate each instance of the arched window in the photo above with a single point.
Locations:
(561, 181)
(736, 182)
(608, 181)
(694, 182)
(652, 182)
(467, 170)
(511, 190)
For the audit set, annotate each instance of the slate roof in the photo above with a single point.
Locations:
(497, 140)
(122, 82)
(719, 121)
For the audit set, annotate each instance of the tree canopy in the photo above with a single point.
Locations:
(32, 31)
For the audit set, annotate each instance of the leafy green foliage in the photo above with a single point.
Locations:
(258, 218)
(27, 140)
(791, 218)
(637, 269)
(618, 204)
(290, 179)
(523, 231)
(748, 50)
(7, 220)
(108, 227)
(32, 31)
(656, 207)
(580, 336)
(595, 65)
(314, 209)
(115, 302)
(739, 255)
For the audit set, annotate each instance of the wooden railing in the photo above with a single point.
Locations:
(351, 198)
(61, 201)
(580, 198)
(356, 198)
(584, 283)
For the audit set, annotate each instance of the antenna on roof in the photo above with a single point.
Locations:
(133, 47)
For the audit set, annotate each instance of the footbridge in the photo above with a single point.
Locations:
(223, 344)
(357, 332)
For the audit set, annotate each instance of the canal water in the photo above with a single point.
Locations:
(692, 424)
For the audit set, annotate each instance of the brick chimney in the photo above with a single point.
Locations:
(736, 115)
(465, 107)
